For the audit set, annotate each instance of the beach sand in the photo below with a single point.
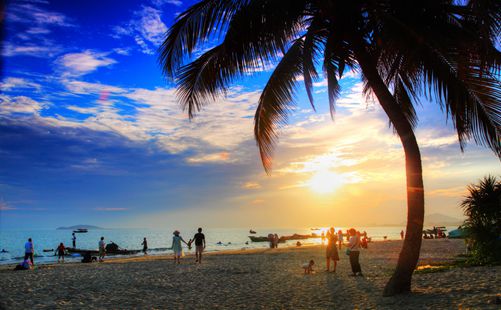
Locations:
(252, 279)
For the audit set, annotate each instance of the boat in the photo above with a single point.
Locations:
(81, 230)
(283, 238)
(48, 250)
(252, 231)
(111, 249)
(459, 233)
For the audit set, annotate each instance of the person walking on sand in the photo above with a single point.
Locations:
(331, 252)
(275, 240)
(145, 246)
(177, 246)
(199, 240)
(29, 251)
(340, 238)
(102, 249)
(60, 252)
(354, 252)
(402, 234)
(74, 240)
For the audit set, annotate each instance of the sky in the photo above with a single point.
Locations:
(92, 133)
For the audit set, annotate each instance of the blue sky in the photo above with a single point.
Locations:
(91, 132)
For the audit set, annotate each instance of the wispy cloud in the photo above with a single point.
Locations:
(18, 83)
(77, 64)
(20, 104)
(111, 209)
(146, 28)
(159, 3)
(5, 207)
(251, 185)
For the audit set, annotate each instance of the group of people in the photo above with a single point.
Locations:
(273, 239)
(355, 243)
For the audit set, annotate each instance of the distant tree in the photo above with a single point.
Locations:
(482, 206)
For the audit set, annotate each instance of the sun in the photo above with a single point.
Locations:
(325, 182)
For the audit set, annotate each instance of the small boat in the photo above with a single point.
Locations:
(252, 231)
(81, 230)
(48, 250)
(459, 233)
(111, 249)
(283, 238)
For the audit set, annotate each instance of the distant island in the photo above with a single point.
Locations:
(79, 227)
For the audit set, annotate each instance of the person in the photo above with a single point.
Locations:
(402, 234)
(145, 246)
(308, 267)
(271, 239)
(275, 240)
(323, 237)
(199, 240)
(60, 252)
(25, 265)
(331, 252)
(354, 252)
(298, 243)
(340, 238)
(177, 247)
(29, 251)
(74, 240)
(102, 249)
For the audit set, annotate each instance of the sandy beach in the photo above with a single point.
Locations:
(256, 279)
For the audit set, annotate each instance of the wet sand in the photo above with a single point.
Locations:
(252, 279)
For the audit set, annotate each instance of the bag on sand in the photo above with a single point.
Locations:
(348, 251)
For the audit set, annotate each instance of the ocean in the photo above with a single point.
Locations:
(217, 239)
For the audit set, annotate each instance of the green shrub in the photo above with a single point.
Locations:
(482, 206)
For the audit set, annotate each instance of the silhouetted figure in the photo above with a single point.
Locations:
(29, 251)
(145, 246)
(331, 252)
(102, 249)
(74, 240)
(60, 252)
(199, 240)
(354, 252)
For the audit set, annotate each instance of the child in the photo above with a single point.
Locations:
(308, 267)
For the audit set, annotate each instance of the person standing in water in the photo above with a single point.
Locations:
(177, 246)
(29, 251)
(74, 240)
(145, 246)
(199, 240)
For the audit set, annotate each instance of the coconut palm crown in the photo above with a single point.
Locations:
(444, 50)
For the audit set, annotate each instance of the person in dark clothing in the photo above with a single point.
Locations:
(145, 246)
(60, 252)
(74, 240)
(29, 251)
(199, 240)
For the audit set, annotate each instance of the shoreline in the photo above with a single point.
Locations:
(254, 279)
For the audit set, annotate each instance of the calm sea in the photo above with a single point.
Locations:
(218, 239)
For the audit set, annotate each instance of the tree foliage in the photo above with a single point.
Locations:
(482, 206)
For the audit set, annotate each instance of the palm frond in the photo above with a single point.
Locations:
(275, 102)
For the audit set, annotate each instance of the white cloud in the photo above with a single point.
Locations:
(42, 51)
(146, 28)
(19, 104)
(81, 87)
(17, 83)
(159, 3)
(84, 62)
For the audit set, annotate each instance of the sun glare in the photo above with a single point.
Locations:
(324, 182)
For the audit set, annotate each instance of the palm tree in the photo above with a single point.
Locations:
(442, 49)
(482, 206)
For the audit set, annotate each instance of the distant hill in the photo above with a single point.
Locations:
(79, 226)
(439, 219)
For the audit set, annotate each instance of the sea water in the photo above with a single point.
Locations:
(217, 239)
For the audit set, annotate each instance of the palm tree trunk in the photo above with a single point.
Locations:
(400, 282)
